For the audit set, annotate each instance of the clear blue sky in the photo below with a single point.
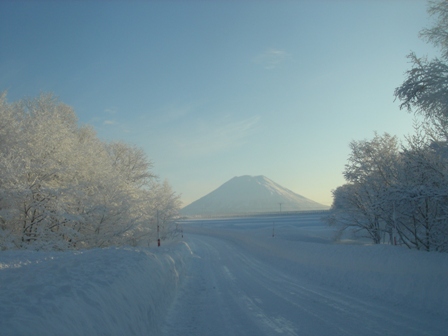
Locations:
(217, 89)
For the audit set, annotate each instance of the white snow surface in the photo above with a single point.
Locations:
(116, 291)
(228, 277)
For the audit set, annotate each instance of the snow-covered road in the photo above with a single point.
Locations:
(239, 283)
(228, 277)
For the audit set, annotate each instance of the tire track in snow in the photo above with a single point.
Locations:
(231, 291)
(362, 313)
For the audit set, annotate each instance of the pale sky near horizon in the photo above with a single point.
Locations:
(216, 89)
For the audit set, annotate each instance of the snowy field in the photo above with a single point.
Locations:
(228, 277)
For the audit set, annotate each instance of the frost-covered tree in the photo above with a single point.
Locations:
(402, 192)
(396, 194)
(371, 169)
(352, 211)
(425, 89)
(422, 191)
(166, 202)
(61, 187)
(35, 164)
(131, 163)
(420, 195)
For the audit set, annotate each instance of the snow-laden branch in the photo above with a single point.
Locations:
(61, 187)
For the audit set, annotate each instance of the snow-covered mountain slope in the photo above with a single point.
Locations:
(250, 194)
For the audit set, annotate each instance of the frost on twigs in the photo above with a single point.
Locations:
(425, 89)
(398, 193)
(62, 188)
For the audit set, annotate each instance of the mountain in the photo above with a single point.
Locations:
(249, 194)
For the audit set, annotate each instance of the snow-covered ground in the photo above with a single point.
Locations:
(243, 281)
(94, 292)
(228, 277)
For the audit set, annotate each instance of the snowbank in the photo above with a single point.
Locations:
(117, 291)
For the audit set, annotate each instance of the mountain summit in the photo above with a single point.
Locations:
(249, 194)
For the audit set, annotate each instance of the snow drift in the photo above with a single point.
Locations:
(114, 291)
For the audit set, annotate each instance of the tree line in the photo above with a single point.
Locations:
(61, 187)
(398, 192)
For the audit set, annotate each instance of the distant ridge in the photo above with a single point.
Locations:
(249, 194)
